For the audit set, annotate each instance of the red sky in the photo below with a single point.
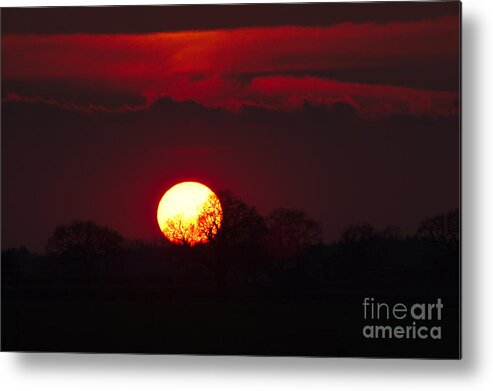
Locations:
(275, 67)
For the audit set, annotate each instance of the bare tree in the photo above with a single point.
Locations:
(442, 229)
(85, 242)
(291, 231)
(233, 238)
(358, 233)
(357, 236)
(210, 218)
(84, 239)
(223, 220)
(179, 230)
(241, 224)
(360, 248)
(203, 228)
(391, 232)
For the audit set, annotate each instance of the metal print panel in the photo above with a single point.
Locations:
(275, 179)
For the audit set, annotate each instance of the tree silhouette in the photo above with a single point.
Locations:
(210, 218)
(84, 239)
(391, 232)
(291, 231)
(359, 248)
(235, 241)
(241, 224)
(441, 229)
(181, 231)
(358, 234)
(190, 230)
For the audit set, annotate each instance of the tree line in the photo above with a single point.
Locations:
(283, 248)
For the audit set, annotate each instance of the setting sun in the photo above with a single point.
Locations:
(189, 213)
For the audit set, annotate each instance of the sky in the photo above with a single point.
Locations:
(347, 111)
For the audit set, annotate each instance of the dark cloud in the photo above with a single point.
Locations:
(273, 67)
(69, 106)
(147, 19)
(75, 92)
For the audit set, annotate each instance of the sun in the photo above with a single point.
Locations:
(189, 213)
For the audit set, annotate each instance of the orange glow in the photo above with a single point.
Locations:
(189, 213)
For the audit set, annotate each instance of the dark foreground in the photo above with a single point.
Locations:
(309, 312)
